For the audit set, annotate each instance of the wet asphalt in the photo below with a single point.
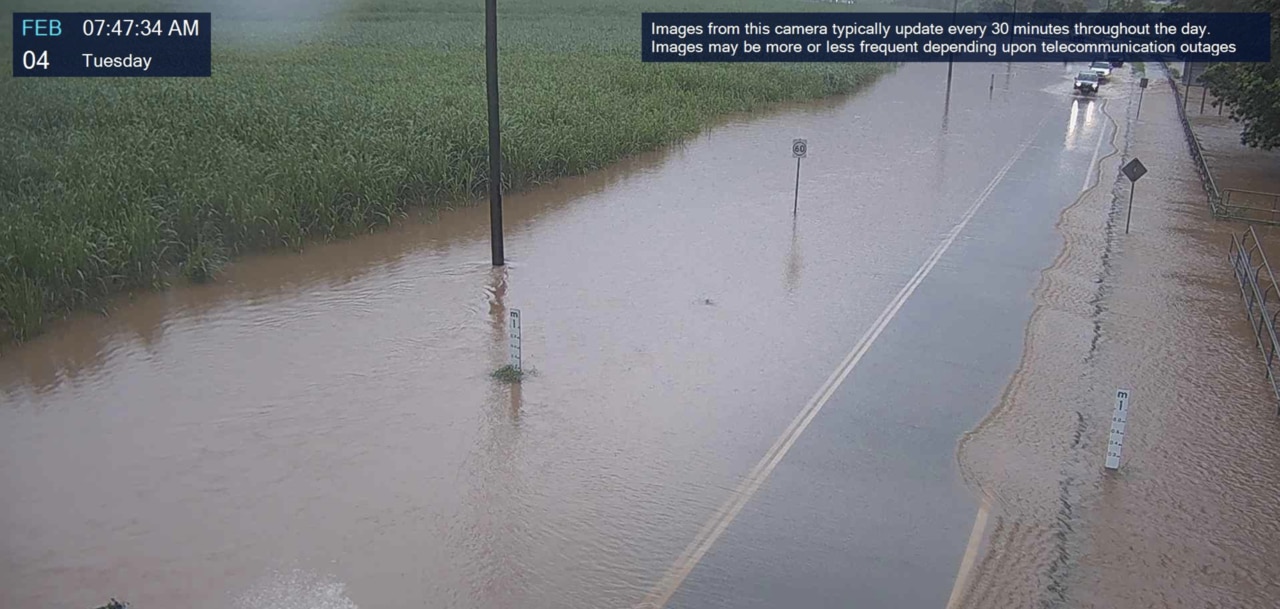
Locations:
(867, 509)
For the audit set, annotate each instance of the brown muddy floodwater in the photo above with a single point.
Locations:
(319, 429)
(1189, 519)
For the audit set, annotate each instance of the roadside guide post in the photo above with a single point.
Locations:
(1142, 88)
(799, 149)
(1133, 170)
(1118, 420)
(991, 90)
(513, 336)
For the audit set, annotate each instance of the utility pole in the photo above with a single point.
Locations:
(950, 59)
(1012, 22)
(495, 141)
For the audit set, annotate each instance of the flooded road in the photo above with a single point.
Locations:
(866, 508)
(319, 429)
(1187, 520)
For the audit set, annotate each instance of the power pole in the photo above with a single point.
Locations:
(495, 140)
(950, 59)
(1014, 20)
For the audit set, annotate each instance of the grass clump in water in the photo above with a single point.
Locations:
(329, 124)
(510, 374)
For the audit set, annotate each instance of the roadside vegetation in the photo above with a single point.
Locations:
(510, 374)
(1045, 6)
(1251, 91)
(330, 124)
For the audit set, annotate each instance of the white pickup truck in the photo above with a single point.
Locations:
(1102, 69)
(1087, 82)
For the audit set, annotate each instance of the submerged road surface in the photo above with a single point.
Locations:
(859, 502)
(732, 406)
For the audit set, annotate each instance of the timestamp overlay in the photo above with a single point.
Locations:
(112, 44)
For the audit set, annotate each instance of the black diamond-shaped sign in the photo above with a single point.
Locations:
(1134, 170)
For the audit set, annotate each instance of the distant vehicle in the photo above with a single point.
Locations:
(1087, 82)
(1101, 68)
(1116, 62)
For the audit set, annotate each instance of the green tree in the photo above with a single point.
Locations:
(1125, 6)
(986, 6)
(1211, 6)
(1250, 90)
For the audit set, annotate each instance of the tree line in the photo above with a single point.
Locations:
(1250, 90)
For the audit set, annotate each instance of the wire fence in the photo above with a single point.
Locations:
(1227, 203)
(1261, 297)
(1251, 205)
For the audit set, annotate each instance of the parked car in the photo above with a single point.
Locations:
(1115, 62)
(1087, 82)
(1102, 69)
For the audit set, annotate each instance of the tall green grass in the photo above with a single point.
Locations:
(328, 124)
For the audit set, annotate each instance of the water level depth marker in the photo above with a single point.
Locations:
(1119, 418)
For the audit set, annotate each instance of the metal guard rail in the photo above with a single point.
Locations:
(1261, 297)
(1210, 186)
(1242, 206)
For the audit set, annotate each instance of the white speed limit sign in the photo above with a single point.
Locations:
(799, 148)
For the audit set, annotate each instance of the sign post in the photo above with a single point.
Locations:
(1133, 170)
(1142, 88)
(799, 149)
(1118, 420)
(513, 335)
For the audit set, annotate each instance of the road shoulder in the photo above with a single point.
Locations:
(1189, 515)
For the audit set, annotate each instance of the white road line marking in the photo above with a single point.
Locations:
(727, 512)
(1088, 173)
(970, 555)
